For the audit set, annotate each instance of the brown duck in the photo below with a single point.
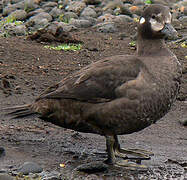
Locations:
(120, 94)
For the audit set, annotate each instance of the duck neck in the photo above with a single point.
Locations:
(151, 47)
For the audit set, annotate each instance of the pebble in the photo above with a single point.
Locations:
(183, 121)
(4, 176)
(92, 167)
(107, 27)
(2, 152)
(30, 167)
(36, 14)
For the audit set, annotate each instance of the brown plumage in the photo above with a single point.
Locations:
(120, 94)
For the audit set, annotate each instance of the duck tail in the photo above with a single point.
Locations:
(20, 111)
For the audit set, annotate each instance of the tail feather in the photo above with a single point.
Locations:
(20, 111)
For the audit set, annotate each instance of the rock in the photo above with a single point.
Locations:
(30, 5)
(55, 12)
(106, 18)
(54, 175)
(14, 29)
(19, 15)
(35, 12)
(76, 6)
(67, 16)
(89, 12)
(47, 7)
(183, 20)
(8, 9)
(183, 121)
(2, 152)
(67, 27)
(4, 176)
(39, 21)
(1, 6)
(93, 2)
(107, 27)
(81, 23)
(123, 19)
(30, 167)
(92, 167)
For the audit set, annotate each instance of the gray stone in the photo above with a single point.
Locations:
(76, 6)
(8, 9)
(2, 152)
(39, 21)
(35, 12)
(89, 12)
(13, 29)
(66, 17)
(183, 121)
(50, 4)
(67, 27)
(4, 176)
(54, 175)
(55, 12)
(107, 27)
(30, 167)
(30, 5)
(106, 18)
(19, 15)
(92, 167)
(123, 19)
(183, 21)
(80, 23)
(15, 1)
(42, 15)
(138, 2)
(92, 2)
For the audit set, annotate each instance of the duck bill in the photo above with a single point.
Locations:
(169, 31)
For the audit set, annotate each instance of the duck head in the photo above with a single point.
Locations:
(155, 23)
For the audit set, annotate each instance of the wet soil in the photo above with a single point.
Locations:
(27, 68)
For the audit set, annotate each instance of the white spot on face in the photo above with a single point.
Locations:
(155, 25)
(168, 18)
(142, 20)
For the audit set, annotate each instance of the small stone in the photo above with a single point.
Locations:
(76, 6)
(55, 12)
(2, 152)
(30, 167)
(107, 27)
(30, 5)
(80, 23)
(183, 121)
(19, 15)
(93, 2)
(93, 167)
(16, 30)
(8, 9)
(89, 12)
(183, 20)
(4, 176)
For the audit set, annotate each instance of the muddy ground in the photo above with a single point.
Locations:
(30, 68)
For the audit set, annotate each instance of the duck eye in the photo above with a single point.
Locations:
(153, 16)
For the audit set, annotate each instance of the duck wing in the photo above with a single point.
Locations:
(97, 82)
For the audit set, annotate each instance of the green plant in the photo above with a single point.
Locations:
(148, 2)
(64, 19)
(132, 43)
(65, 47)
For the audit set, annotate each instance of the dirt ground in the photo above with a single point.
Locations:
(27, 68)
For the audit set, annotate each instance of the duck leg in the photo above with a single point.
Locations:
(110, 144)
(136, 154)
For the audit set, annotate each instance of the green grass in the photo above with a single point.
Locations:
(65, 47)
